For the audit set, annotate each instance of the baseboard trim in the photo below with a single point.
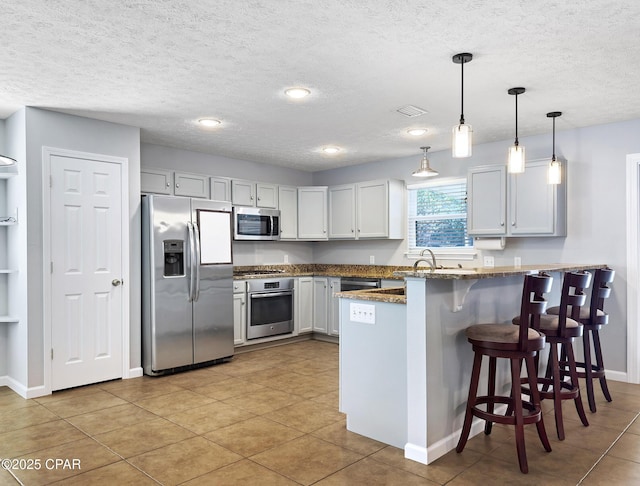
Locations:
(133, 373)
(20, 389)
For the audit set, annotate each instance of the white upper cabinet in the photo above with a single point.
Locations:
(191, 185)
(288, 202)
(312, 213)
(259, 194)
(487, 200)
(266, 195)
(243, 193)
(342, 211)
(156, 181)
(220, 188)
(373, 209)
(501, 204)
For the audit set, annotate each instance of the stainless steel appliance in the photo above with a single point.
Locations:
(358, 283)
(187, 283)
(256, 224)
(270, 307)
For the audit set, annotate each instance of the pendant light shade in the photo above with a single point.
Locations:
(554, 174)
(516, 151)
(425, 169)
(462, 134)
(6, 161)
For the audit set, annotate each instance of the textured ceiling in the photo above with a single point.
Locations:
(162, 64)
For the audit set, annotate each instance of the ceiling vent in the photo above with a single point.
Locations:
(411, 111)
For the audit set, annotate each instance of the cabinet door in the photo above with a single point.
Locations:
(156, 181)
(288, 202)
(312, 213)
(320, 306)
(304, 304)
(220, 188)
(342, 211)
(243, 193)
(373, 209)
(486, 200)
(532, 202)
(239, 318)
(266, 195)
(191, 185)
(334, 306)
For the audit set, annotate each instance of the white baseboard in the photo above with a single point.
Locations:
(622, 376)
(20, 389)
(133, 373)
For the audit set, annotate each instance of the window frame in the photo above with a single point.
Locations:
(442, 253)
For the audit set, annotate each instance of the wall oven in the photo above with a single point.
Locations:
(256, 224)
(270, 307)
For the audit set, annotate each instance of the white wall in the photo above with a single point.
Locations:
(51, 129)
(244, 252)
(596, 229)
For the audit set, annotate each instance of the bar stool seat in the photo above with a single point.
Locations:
(517, 344)
(593, 318)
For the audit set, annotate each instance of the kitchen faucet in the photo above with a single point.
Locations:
(432, 262)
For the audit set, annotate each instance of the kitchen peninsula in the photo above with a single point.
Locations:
(434, 364)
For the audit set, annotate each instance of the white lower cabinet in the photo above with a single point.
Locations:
(320, 307)
(303, 304)
(333, 306)
(239, 312)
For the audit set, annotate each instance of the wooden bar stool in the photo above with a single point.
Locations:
(561, 330)
(517, 344)
(593, 319)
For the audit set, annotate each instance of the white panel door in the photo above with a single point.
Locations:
(86, 291)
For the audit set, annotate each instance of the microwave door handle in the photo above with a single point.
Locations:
(191, 254)
(196, 263)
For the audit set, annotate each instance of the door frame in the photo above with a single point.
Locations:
(123, 162)
(633, 267)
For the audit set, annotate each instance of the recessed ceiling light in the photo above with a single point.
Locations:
(416, 132)
(209, 122)
(297, 93)
(331, 150)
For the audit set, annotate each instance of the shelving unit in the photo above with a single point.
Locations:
(8, 219)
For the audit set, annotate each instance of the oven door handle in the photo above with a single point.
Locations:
(265, 295)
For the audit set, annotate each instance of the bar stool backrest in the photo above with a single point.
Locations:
(601, 291)
(573, 296)
(533, 304)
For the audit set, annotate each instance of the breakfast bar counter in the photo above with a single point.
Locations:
(436, 358)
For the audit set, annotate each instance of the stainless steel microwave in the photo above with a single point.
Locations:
(256, 224)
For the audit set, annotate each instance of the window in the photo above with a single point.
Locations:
(438, 215)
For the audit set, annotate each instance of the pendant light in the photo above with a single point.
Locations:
(425, 169)
(516, 151)
(554, 174)
(462, 134)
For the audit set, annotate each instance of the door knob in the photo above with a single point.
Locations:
(115, 282)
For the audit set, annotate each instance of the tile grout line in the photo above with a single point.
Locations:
(608, 449)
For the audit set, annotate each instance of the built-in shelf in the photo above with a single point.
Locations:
(8, 319)
(7, 223)
(7, 270)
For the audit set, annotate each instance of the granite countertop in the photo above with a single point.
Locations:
(487, 272)
(321, 270)
(392, 295)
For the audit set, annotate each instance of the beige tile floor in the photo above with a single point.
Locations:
(270, 417)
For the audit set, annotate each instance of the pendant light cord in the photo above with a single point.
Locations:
(553, 155)
(462, 93)
(516, 141)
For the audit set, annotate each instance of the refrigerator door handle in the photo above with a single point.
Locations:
(192, 252)
(196, 263)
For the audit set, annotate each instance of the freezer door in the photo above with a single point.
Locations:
(213, 307)
(167, 311)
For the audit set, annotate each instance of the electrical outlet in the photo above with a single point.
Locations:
(517, 262)
(372, 259)
(286, 258)
(489, 261)
(362, 313)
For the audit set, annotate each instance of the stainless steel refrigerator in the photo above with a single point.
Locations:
(187, 283)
